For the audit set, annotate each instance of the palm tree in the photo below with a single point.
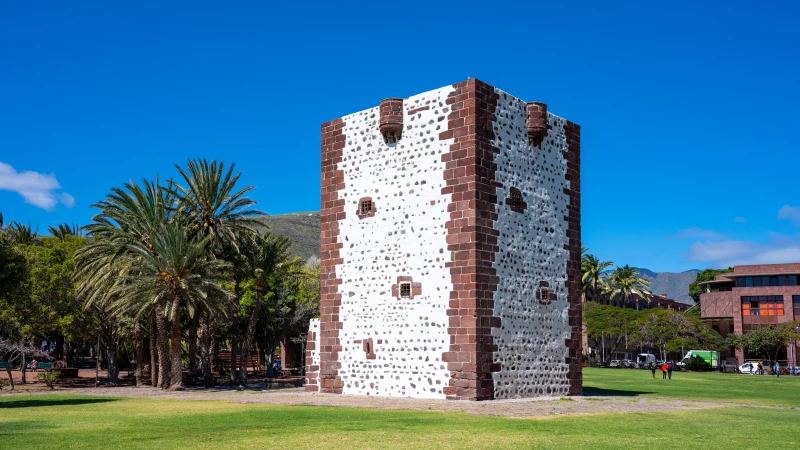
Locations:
(64, 230)
(593, 281)
(625, 282)
(177, 273)
(129, 216)
(266, 256)
(23, 234)
(212, 207)
(210, 204)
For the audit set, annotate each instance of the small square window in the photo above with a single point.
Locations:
(405, 290)
(516, 199)
(366, 207)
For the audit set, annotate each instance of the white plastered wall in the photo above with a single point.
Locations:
(406, 237)
(531, 340)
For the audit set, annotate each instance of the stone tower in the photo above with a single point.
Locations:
(450, 250)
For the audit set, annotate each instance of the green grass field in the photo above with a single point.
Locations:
(70, 421)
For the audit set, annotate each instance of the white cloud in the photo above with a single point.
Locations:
(37, 189)
(790, 213)
(779, 249)
(740, 220)
(697, 233)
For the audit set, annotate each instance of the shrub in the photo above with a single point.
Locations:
(49, 377)
(697, 363)
(3, 383)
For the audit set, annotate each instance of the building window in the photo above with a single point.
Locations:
(369, 348)
(767, 281)
(796, 304)
(762, 310)
(544, 295)
(366, 208)
(405, 290)
(516, 201)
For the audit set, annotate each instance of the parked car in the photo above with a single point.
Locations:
(746, 367)
(793, 370)
(628, 364)
(614, 363)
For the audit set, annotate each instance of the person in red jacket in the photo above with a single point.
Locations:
(664, 371)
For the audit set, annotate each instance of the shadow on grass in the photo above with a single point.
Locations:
(600, 392)
(33, 403)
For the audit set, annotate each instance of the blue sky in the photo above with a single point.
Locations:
(689, 113)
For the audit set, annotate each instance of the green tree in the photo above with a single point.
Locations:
(766, 340)
(624, 282)
(129, 217)
(594, 276)
(609, 324)
(176, 272)
(707, 275)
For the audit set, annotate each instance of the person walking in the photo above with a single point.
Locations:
(777, 369)
(664, 371)
(669, 369)
(653, 368)
(760, 370)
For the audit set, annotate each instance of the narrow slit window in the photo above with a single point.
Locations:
(545, 294)
(405, 290)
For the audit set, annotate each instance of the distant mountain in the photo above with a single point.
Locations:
(674, 285)
(301, 228)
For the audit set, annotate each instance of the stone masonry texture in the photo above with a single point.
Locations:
(473, 325)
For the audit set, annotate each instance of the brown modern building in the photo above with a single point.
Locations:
(749, 296)
(653, 301)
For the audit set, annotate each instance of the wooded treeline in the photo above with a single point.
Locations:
(167, 273)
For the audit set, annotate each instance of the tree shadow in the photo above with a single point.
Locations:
(589, 391)
(34, 403)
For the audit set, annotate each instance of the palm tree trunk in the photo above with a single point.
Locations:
(137, 332)
(163, 348)
(247, 344)
(206, 345)
(192, 344)
(22, 367)
(175, 342)
(153, 352)
(237, 292)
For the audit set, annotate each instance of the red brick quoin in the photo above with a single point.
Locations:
(472, 240)
(332, 212)
(573, 157)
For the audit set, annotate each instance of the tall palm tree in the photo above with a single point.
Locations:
(625, 282)
(212, 206)
(266, 256)
(129, 216)
(177, 273)
(593, 280)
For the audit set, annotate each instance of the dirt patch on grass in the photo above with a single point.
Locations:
(536, 407)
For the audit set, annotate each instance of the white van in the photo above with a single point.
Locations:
(644, 360)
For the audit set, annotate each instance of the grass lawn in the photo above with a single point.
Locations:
(750, 389)
(71, 421)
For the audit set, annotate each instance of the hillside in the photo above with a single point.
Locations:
(301, 228)
(675, 285)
